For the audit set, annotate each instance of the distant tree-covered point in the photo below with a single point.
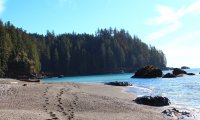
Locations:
(108, 51)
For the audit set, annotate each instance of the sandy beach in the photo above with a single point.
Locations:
(70, 101)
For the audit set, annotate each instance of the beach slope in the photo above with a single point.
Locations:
(70, 101)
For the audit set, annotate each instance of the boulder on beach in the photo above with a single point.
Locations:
(116, 83)
(178, 113)
(153, 101)
(169, 75)
(178, 71)
(148, 72)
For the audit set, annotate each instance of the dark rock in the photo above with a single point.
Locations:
(168, 113)
(116, 83)
(190, 74)
(148, 72)
(169, 75)
(153, 101)
(180, 75)
(175, 112)
(185, 67)
(178, 71)
(24, 85)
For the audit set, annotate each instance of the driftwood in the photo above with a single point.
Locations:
(29, 80)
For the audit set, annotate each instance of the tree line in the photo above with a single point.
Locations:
(107, 51)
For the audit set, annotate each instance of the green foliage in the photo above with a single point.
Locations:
(108, 51)
(18, 52)
(5, 50)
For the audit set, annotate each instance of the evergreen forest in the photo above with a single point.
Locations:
(106, 51)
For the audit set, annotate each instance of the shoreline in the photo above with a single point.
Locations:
(195, 113)
(84, 101)
(124, 90)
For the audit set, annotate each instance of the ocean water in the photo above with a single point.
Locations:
(183, 92)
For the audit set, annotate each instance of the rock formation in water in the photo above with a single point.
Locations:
(178, 71)
(185, 67)
(169, 75)
(190, 74)
(148, 72)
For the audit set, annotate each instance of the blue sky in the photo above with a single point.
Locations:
(172, 26)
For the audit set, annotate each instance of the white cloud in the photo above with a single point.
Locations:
(161, 33)
(181, 48)
(170, 19)
(193, 8)
(2, 6)
(167, 16)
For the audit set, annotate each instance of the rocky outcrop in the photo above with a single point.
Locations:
(178, 71)
(180, 75)
(176, 113)
(190, 74)
(169, 75)
(153, 101)
(153, 72)
(148, 72)
(185, 67)
(116, 83)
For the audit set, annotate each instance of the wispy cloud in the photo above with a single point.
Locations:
(167, 16)
(164, 31)
(193, 8)
(170, 19)
(2, 6)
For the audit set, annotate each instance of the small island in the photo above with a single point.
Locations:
(185, 67)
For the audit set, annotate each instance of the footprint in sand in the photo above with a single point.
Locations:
(45, 106)
(68, 113)
(59, 105)
(72, 107)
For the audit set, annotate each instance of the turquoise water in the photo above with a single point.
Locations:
(183, 92)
